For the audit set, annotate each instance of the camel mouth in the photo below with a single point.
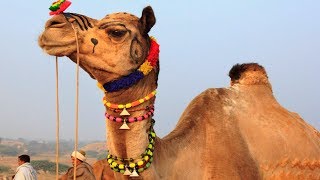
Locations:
(56, 48)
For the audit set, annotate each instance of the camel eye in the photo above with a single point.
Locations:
(117, 33)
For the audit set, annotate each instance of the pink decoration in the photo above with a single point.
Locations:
(62, 8)
(131, 119)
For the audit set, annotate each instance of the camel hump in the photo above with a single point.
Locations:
(248, 74)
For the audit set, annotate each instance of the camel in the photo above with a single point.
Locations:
(237, 132)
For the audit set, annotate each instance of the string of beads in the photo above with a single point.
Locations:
(128, 166)
(129, 105)
(131, 119)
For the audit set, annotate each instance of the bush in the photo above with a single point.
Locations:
(4, 169)
(46, 165)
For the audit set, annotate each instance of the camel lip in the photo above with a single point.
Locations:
(56, 51)
(56, 48)
(44, 43)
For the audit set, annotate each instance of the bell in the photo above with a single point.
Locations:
(124, 112)
(134, 173)
(127, 172)
(124, 125)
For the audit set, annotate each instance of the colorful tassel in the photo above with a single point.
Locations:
(59, 6)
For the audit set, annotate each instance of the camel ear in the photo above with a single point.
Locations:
(147, 20)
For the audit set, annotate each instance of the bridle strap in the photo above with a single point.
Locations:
(76, 103)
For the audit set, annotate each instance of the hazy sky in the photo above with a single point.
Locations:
(200, 41)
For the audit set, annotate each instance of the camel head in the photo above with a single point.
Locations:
(109, 48)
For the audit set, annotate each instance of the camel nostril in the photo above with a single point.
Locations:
(55, 22)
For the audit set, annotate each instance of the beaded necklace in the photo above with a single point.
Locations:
(133, 166)
(129, 80)
(130, 119)
(128, 105)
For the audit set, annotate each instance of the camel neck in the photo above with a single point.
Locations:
(131, 143)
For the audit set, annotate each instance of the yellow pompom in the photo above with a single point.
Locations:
(141, 100)
(146, 158)
(132, 165)
(114, 164)
(121, 166)
(140, 163)
(128, 105)
(145, 68)
(120, 106)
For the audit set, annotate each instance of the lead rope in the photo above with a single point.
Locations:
(57, 9)
(76, 111)
(57, 120)
(76, 104)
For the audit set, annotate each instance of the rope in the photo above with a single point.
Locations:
(57, 120)
(76, 111)
(77, 103)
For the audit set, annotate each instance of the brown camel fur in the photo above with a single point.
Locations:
(239, 132)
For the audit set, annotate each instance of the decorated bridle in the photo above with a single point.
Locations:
(126, 166)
